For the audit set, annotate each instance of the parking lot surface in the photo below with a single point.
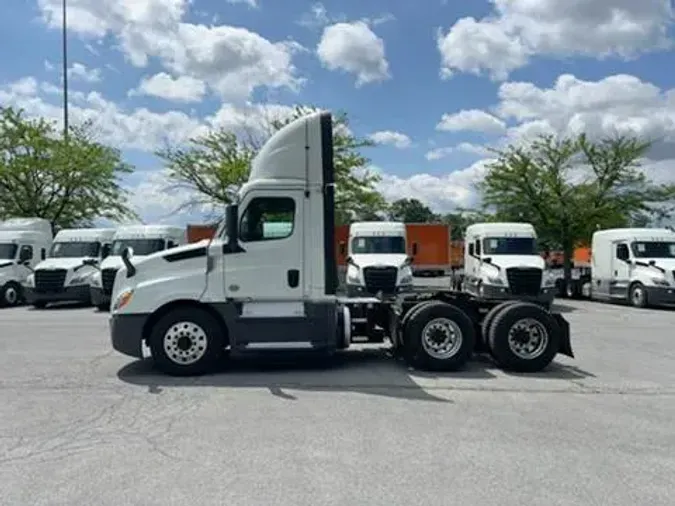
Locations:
(83, 425)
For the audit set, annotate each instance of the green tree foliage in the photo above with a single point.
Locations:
(70, 183)
(411, 211)
(568, 188)
(216, 165)
(461, 219)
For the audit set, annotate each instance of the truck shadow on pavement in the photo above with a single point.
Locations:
(369, 371)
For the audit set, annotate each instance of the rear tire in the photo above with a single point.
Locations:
(524, 337)
(439, 337)
(490, 316)
(186, 342)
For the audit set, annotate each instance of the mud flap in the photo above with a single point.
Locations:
(565, 342)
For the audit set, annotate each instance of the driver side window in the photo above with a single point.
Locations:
(267, 218)
(622, 252)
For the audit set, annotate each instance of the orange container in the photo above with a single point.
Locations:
(196, 233)
(341, 243)
(433, 244)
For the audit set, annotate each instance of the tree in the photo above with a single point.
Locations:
(215, 166)
(70, 183)
(568, 188)
(461, 219)
(411, 211)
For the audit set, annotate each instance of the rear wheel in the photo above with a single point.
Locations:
(524, 337)
(439, 337)
(490, 316)
(186, 342)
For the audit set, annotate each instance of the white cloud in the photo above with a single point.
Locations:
(250, 3)
(232, 61)
(180, 89)
(354, 48)
(471, 120)
(518, 30)
(81, 72)
(396, 139)
(462, 147)
(441, 193)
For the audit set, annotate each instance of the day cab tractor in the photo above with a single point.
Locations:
(251, 290)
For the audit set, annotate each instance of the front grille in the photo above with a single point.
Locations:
(50, 280)
(107, 280)
(524, 281)
(380, 279)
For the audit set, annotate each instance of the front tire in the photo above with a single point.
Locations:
(439, 337)
(638, 295)
(524, 338)
(10, 294)
(186, 342)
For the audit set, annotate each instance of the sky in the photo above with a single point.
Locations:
(435, 83)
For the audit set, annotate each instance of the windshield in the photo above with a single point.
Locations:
(140, 246)
(653, 249)
(510, 246)
(8, 251)
(74, 249)
(382, 244)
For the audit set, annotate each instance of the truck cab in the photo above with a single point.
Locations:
(24, 242)
(65, 275)
(501, 261)
(143, 240)
(377, 261)
(636, 265)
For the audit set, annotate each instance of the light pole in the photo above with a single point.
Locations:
(65, 72)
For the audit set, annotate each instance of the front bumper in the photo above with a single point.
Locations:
(360, 291)
(500, 292)
(98, 296)
(126, 333)
(658, 295)
(79, 293)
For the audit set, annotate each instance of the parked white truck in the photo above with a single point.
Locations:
(65, 276)
(24, 242)
(501, 261)
(246, 292)
(634, 265)
(143, 240)
(377, 259)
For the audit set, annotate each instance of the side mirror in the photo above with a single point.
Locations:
(232, 228)
(343, 248)
(487, 260)
(127, 253)
(25, 263)
(408, 261)
(350, 260)
(652, 262)
(105, 251)
(170, 245)
(414, 249)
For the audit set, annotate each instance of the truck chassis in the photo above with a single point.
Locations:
(431, 330)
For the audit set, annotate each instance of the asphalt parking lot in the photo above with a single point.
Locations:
(83, 425)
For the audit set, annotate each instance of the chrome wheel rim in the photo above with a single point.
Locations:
(441, 338)
(185, 343)
(528, 338)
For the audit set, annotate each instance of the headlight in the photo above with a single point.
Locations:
(406, 276)
(122, 300)
(660, 282)
(30, 280)
(96, 279)
(354, 275)
(494, 281)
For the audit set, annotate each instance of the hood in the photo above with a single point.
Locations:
(379, 259)
(115, 262)
(507, 261)
(59, 263)
(667, 264)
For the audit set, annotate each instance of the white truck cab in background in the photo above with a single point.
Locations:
(636, 265)
(65, 275)
(501, 261)
(24, 243)
(144, 240)
(377, 259)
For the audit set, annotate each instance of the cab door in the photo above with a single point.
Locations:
(621, 270)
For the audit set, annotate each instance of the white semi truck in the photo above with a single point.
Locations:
(246, 292)
(501, 262)
(143, 240)
(377, 259)
(65, 276)
(24, 242)
(633, 265)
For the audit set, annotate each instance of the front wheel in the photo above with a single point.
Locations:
(186, 342)
(638, 295)
(439, 337)
(10, 294)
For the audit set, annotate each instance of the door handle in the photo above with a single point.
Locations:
(293, 278)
